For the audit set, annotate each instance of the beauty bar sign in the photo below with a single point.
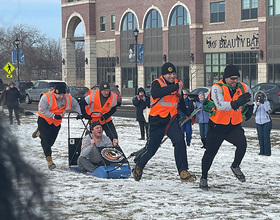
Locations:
(230, 42)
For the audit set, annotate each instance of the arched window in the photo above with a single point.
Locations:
(129, 22)
(153, 19)
(179, 16)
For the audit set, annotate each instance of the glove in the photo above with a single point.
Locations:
(57, 117)
(79, 117)
(87, 117)
(249, 112)
(243, 99)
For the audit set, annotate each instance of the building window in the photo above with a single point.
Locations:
(113, 22)
(249, 9)
(153, 19)
(102, 23)
(129, 22)
(245, 61)
(273, 73)
(179, 16)
(106, 69)
(217, 11)
(273, 7)
(70, 0)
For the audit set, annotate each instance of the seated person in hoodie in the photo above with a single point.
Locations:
(90, 157)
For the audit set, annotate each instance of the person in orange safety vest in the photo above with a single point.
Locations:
(52, 107)
(166, 98)
(100, 105)
(229, 96)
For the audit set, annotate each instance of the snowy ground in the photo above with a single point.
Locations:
(160, 194)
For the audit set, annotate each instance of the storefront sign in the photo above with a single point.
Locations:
(230, 42)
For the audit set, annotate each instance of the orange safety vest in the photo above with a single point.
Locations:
(233, 116)
(96, 110)
(167, 104)
(53, 107)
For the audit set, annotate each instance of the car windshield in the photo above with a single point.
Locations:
(25, 84)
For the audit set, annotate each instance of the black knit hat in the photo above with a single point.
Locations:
(104, 85)
(93, 124)
(231, 70)
(140, 89)
(60, 88)
(168, 68)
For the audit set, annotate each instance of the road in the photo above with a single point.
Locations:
(129, 112)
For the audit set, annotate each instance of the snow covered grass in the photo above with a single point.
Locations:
(160, 194)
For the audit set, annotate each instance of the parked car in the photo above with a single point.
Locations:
(113, 88)
(193, 95)
(22, 86)
(40, 87)
(78, 92)
(272, 90)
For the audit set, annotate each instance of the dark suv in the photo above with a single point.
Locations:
(40, 87)
(22, 86)
(272, 90)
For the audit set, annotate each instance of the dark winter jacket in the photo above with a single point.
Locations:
(140, 106)
(12, 97)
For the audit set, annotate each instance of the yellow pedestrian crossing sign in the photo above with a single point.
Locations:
(9, 68)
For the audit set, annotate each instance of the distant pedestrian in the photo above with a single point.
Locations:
(203, 118)
(12, 97)
(141, 101)
(263, 122)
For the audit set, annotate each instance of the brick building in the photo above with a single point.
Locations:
(199, 36)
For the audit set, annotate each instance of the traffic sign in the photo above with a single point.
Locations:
(9, 68)
(9, 76)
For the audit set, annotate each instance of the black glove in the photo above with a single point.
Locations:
(79, 117)
(249, 112)
(87, 117)
(243, 99)
(57, 117)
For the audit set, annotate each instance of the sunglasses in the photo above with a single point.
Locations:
(234, 78)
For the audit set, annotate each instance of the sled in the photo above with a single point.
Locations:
(114, 166)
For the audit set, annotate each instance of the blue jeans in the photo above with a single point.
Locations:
(264, 137)
(203, 128)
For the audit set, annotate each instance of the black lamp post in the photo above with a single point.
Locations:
(17, 44)
(135, 33)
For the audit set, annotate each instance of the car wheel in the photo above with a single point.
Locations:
(27, 99)
(272, 108)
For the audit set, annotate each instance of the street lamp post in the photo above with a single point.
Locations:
(17, 44)
(135, 33)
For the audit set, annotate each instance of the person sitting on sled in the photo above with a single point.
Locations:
(90, 158)
(100, 105)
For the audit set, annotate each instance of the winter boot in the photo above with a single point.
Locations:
(203, 140)
(203, 184)
(36, 133)
(51, 164)
(238, 173)
(185, 176)
(137, 173)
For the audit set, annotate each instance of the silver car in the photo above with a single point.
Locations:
(40, 87)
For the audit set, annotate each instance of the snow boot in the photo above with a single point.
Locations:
(203, 184)
(238, 173)
(36, 133)
(137, 173)
(185, 176)
(50, 162)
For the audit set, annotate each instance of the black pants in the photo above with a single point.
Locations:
(15, 108)
(216, 134)
(156, 134)
(110, 130)
(143, 126)
(48, 135)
